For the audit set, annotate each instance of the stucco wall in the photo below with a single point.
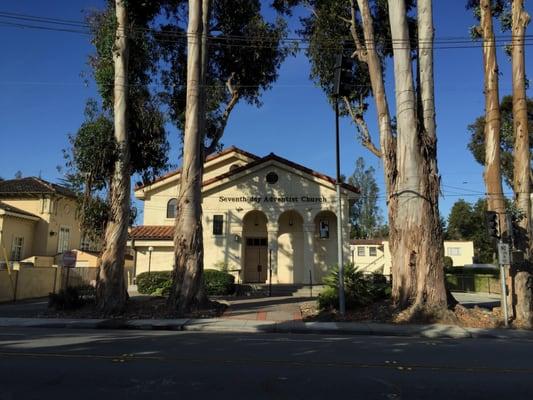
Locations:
(13, 227)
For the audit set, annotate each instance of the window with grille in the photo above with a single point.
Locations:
(64, 239)
(16, 249)
(361, 251)
(218, 224)
(372, 252)
(454, 251)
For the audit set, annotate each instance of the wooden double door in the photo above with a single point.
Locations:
(256, 260)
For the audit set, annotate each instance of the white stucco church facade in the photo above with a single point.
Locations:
(259, 214)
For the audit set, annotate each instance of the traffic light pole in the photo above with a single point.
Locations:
(342, 302)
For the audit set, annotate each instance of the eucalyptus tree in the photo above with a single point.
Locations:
(231, 54)
(123, 137)
(407, 149)
(523, 279)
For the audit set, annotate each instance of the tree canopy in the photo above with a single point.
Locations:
(245, 52)
(477, 137)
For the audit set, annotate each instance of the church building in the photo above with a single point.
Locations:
(260, 214)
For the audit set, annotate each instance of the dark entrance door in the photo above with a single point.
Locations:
(256, 260)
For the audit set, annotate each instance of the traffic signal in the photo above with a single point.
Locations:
(491, 219)
(344, 80)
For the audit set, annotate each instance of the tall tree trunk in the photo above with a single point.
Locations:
(111, 289)
(492, 174)
(188, 240)
(522, 278)
(493, 179)
(387, 141)
(418, 281)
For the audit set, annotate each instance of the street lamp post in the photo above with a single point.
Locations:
(150, 249)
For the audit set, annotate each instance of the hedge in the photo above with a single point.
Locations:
(160, 282)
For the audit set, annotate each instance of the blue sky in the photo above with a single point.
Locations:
(43, 93)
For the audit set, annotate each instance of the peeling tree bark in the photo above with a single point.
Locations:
(418, 282)
(111, 289)
(188, 239)
(493, 181)
(521, 275)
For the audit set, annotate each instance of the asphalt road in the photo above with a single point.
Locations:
(62, 363)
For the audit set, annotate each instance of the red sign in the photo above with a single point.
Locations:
(69, 259)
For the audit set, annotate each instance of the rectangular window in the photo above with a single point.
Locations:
(454, 251)
(361, 251)
(64, 239)
(86, 244)
(323, 229)
(372, 252)
(218, 224)
(16, 249)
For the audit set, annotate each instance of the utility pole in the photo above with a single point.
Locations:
(343, 81)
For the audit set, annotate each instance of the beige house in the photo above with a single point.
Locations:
(257, 212)
(373, 255)
(37, 221)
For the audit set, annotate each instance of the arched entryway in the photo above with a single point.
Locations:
(325, 243)
(290, 247)
(255, 247)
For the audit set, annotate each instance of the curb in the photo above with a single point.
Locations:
(224, 325)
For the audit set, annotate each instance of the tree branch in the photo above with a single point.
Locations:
(235, 95)
(362, 128)
(359, 51)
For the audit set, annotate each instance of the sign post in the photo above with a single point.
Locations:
(504, 259)
(69, 261)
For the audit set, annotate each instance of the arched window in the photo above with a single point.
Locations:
(172, 206)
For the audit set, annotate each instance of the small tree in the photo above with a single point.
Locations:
(365, 215)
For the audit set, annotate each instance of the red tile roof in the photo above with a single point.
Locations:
(32, 185)
(152, 232)
(367, 241)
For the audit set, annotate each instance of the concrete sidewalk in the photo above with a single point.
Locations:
(228, 325)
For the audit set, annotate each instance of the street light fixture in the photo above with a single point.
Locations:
(150, 249)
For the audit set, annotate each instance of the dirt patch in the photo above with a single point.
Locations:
(385, 312)
(149, 307)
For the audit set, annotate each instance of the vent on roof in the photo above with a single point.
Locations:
(272, 178)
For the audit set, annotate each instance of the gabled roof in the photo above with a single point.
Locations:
(17, 212)
(32, 186)
(231, 149)
(257, 161)
(152, 232)
(281, 160)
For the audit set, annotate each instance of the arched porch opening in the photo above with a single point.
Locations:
(255, 239)
(290, 247)
(325, 243)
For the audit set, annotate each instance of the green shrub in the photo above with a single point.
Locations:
(218, 283)
(149, 283)
(71, 298)
(359, 289)
(160, 283)
(448, 262)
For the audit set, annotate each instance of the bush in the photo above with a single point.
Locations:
(160, 283)
(359, 289)
(218, 283)
(72, 297)
(150, 283)
(448, 262)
